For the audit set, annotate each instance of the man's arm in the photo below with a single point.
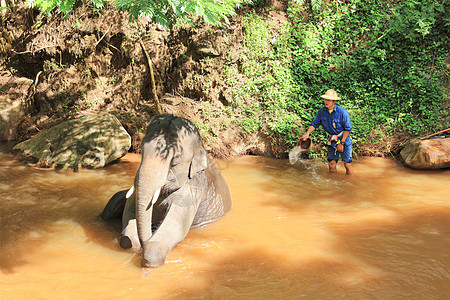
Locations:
(345, 135)
(340, 146)
(306, 135)
(315, 123)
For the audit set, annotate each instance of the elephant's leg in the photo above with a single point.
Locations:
(115, 206)
(172, 230)
(129, 236)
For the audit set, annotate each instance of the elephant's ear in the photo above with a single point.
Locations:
(199, 163)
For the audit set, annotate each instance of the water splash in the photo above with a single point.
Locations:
(295, 154)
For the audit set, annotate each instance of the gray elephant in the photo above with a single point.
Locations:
(176, 187)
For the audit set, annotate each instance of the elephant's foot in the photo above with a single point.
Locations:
(127, 242)
(114, 207)
(154, 254)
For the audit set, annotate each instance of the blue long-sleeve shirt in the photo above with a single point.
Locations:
(335, 122)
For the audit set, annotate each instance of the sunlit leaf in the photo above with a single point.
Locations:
(163, 12)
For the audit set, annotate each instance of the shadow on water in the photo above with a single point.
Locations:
(395, 255)
(407, 261)
(36, 203)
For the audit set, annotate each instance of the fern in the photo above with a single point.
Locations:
(316, 5)
(163, 12)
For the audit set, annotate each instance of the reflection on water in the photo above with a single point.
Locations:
(295, 232)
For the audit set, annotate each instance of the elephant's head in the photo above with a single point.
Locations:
(172, 153)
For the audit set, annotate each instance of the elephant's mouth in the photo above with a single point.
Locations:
(172, 183)
(154, 198)
(166, 190)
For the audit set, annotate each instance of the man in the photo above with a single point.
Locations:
(336, 121)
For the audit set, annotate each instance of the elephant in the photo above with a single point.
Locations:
(176, 187)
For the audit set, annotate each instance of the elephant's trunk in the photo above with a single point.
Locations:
(151, 176)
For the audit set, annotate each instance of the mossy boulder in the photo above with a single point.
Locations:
(88, 142)
(427, 154)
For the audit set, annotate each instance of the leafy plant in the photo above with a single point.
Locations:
(166, 13)
(315, 4)
(386, 60)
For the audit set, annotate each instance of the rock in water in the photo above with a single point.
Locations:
(426, 154)
(88, 142)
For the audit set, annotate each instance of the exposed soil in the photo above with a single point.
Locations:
(87, 63)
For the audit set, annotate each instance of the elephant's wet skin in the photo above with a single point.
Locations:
(176, 187)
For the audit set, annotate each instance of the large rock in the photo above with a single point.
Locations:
(88, 142)
(13, 94)
(427, 154)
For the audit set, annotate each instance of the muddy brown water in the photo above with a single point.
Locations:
(295, 232)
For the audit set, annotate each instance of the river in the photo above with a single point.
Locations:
(295, 232)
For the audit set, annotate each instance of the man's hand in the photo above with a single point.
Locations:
(306, 135)
(340, 148)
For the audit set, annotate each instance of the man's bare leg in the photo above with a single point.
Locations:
(348, 168)
(332, 166)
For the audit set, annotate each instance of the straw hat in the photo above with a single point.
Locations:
(331, 95)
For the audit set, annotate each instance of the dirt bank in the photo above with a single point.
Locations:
(89, 62)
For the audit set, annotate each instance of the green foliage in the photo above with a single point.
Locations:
(269, 81)
(64, 6)
(166, 12)
(386, 60)
(315, 4)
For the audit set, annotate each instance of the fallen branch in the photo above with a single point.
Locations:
(98, 42)
(36, 80)
(152, 78)
(430, 135)
(34, 51)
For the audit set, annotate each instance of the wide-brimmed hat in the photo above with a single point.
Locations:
(331, 95)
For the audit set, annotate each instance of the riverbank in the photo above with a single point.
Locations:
(59, 68)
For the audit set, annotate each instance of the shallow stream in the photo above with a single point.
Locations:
(295, 232)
